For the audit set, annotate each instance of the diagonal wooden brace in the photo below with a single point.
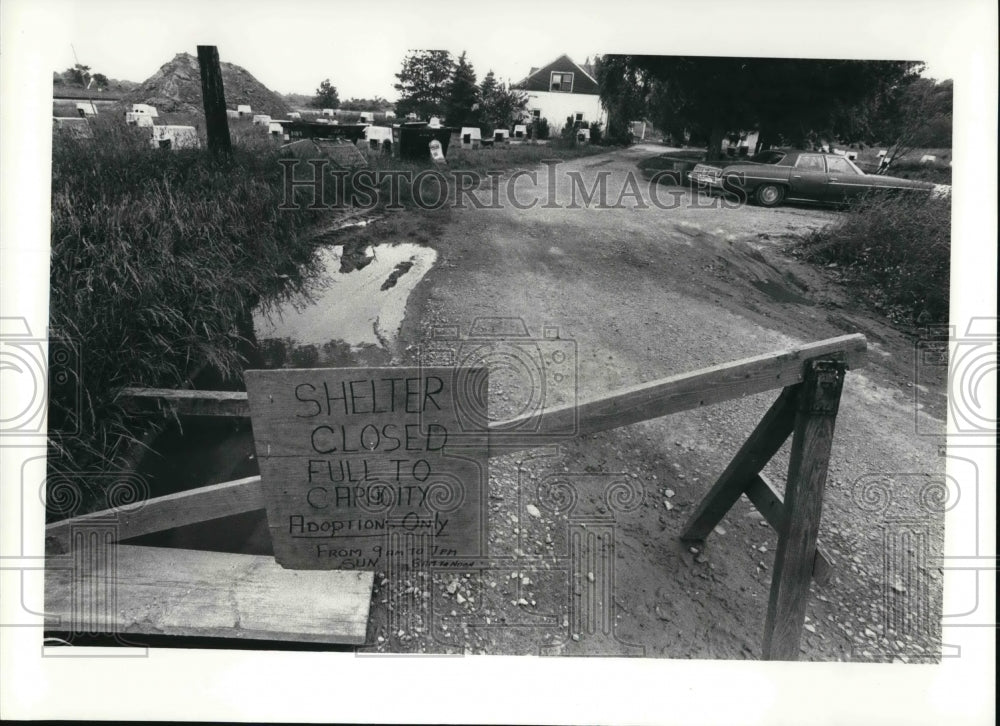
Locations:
(757, 450)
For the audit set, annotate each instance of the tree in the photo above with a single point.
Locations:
(499, 106)
(101, 80)
(367, 104)
(326, 96)
(462, 106)
(78, 75)
(623, 93)
(917, 114)
(424, 81)
(786, 99)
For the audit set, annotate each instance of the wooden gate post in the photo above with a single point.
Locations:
(214, 98)
(818, 401)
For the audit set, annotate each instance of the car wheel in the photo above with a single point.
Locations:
(769, 195)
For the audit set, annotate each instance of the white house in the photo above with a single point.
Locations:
(175, 137)
(135, 118)
(261, 119)
(232, 114)
(86, 108)
(244, 110)
(145, 108)
(563, 90)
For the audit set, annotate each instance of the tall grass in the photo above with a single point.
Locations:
(894, 252)
(158, 258)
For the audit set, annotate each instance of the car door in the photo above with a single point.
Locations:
(807, 179)
(845, 182)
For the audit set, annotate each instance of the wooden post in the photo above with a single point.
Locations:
(818, 401)
(214, 98)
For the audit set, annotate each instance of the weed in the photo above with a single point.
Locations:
(894, 251)
(158, 259)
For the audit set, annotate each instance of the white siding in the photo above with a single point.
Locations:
(557, 106)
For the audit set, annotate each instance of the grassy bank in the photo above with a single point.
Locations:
(894, 252)
(158, 258)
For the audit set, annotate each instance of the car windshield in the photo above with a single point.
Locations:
(768, 157)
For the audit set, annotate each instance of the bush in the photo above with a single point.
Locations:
(595, 133)
(935, 172)
(158, 258)
(895, 252)
(540, 129)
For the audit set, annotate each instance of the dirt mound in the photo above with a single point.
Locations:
(176, 87)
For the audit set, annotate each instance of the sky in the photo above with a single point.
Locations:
(292, 46)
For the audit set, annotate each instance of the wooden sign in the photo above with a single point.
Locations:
(350, 457)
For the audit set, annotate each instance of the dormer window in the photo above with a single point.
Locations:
(561, 82)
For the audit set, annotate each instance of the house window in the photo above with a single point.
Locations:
(579, 117)
(561, 82)
(536, 113)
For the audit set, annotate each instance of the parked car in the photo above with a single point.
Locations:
(778, 175)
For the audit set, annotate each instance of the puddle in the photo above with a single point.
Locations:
(358, 302)
(780, 293)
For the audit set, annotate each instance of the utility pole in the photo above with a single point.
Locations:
(214, 98)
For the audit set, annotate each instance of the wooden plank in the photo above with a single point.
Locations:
(772, 431)
(187, 403)
(620, 408)
(676, 393)
(350, 455)
(819, 399)
(161, 591)
(769, 503)
(214, 99)
(166, 512)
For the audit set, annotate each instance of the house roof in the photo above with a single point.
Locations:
(538, 80)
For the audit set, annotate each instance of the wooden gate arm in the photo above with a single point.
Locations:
(620, 408)
(678, 393)
(167, 512)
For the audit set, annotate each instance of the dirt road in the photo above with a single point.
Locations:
(643, 294)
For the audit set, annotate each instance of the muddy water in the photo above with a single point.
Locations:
(350, 316)
(359, 302)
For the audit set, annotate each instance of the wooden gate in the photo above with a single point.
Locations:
(250, 596)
